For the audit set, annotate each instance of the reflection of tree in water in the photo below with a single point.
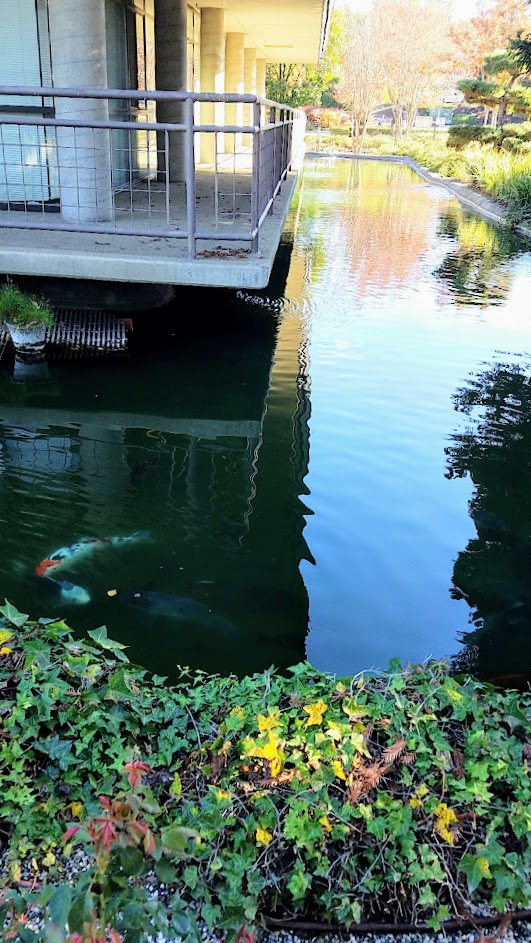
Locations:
(493, 573)
(476, 272)
(372, 215)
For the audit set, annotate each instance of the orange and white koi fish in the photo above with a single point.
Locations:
(81, 548)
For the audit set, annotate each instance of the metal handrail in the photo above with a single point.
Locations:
(269, 121)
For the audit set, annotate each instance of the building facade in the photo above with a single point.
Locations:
(74, 162)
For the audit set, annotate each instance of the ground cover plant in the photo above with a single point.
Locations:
(501, 174)
(403, 796)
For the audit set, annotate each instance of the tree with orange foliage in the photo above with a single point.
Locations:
(487, 32)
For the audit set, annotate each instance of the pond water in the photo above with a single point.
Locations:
(337, 468)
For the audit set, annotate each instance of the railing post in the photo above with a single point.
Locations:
(190, 178)
(255, 183)
(273, 121)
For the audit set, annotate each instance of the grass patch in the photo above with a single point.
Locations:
(503, 175)
(404, 796)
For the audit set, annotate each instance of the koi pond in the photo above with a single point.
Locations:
(336, 468)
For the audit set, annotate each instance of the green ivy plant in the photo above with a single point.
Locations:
(403, 796)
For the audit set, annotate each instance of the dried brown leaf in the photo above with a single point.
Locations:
(395, 751)
(459, 763)
(408, 759)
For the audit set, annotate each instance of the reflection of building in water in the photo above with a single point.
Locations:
(493, 572)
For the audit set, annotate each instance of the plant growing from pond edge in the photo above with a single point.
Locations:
(22, 310)
(402, 797)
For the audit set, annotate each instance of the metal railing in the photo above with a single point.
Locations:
(100, 161)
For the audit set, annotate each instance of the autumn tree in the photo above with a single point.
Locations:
(413, 40)
(492, 28)
(359, 88)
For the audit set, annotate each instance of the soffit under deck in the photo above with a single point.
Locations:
(281, 30)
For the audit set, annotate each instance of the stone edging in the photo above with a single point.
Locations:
(483, 205)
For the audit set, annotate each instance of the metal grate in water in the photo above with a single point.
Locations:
(84, 333)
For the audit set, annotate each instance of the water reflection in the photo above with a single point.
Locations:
(477, 271)
(173, 442)
(493, 573)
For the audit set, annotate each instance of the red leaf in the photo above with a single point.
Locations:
(135, 769)
(114, 936)
(149, 842)
(71, 831)
(107, 834)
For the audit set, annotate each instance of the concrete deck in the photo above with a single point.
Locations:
(156, 259)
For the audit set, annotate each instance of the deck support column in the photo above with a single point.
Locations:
(171, 76)
(249, 82)
(212, 76)
(261, 77)
(234, 58)
(78, 49)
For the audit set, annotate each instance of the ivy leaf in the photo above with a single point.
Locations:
(299, 882)
(12, 614)
(101, 638)
(476, 870)
(442, 914)
(56, 749)
(316, 712)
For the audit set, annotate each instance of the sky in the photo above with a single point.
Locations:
(462, 9)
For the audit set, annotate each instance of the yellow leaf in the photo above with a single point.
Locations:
(176, 787)
(338, 770)
(112, 592)
(484, 866)
(16, 873)
(422, 791)
(325, 823)
(275, 766)
(268, 722)
(445, 817)
(221, 794)
(5, 635)
(263, 837)
(269, 751)
(316, 712)
(48, 859)
(340, 688)
(415, 803)
(34, 865)
(5, 650)
(76, 809)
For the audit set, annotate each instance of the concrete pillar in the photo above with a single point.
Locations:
(171, 76)
(78, 48)
(261, 77)
(234, 43)
(212, 75)
(249, 81)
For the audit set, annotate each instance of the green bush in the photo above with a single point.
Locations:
(373, 797)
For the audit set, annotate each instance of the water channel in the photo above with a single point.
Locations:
(336, 468)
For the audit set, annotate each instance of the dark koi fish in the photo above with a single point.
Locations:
(181, 608)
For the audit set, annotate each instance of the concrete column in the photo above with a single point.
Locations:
(249, 81)
(234, 58)
(212, 75)
(171, 76)
(78, 48)
(261, 77)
